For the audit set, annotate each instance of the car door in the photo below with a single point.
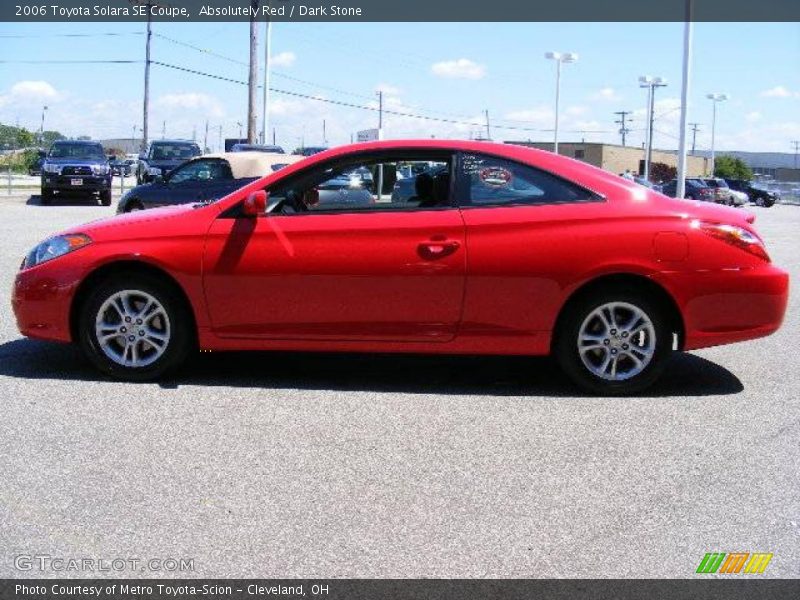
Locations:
(529, 231)
(351, 273)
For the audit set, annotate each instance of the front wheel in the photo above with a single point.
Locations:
(134, 328)
(105, 198)
(613, 342)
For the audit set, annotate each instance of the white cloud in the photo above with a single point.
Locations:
(576, 111)
(387, 89)
(537, 114)
(606, 94)
(25, 93)
(777, 92)
(283, 59)
(209, 105)
(753, 116)
(463, 68)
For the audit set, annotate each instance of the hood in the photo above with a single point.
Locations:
(76, 161)
(157, 222)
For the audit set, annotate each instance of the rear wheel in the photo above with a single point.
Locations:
(105, 198)
(135, 328)
(614, 342)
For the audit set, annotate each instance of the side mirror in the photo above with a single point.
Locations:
(255, 204)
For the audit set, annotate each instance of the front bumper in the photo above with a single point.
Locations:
(66, 184)
(41, 300)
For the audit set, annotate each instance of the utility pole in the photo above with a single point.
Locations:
(622, 129)
(205, 139)
(265, 107)
(695, 129)
(380, 115)
(252, 78)
(488, 128)
(324, 135)
(164, 130)
(680, 188)
(220, 147)
(796, 144)
(273, 136)
(146, 102)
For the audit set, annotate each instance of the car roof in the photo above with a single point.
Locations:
(192, 142)
(252, 164)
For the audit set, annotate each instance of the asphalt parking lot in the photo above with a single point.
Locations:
(264, 465)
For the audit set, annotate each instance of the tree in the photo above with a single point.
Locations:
(662, 172)
(730, 167)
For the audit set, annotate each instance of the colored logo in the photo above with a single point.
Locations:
(734, 562)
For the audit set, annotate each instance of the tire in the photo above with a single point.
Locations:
(760, 201)
(46, 197)
(105, 198)
(652, 346)
(133, 206)
(167, 319)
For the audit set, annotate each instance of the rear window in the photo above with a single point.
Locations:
(84, 151)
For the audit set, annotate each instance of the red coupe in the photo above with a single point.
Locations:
(499, 250)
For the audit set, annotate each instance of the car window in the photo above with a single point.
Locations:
(489, 180)
(200, 171)
(87, 151)
(174, 151)
(368, 185)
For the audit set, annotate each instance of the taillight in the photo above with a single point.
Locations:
(735, 236)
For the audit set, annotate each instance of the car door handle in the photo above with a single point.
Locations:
(438, 248)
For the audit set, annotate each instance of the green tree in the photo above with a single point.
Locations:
(662, 172)
(730, 167)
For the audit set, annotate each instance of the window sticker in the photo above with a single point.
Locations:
(495, 176)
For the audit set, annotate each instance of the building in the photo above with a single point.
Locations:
(618, 159)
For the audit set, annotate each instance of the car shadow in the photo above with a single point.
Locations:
(686, 375)
(36, 200)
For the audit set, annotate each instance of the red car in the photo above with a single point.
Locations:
(501, 250)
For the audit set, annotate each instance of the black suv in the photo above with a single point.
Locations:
(76, 168)
(759, 195)
(162, 156)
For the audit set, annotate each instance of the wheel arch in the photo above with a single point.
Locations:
(131, 268)
(625, 280)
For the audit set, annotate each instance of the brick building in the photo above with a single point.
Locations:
(617, 159)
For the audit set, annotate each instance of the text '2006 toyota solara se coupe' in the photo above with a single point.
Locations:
(495, 249)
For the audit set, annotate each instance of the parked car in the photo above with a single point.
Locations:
(760, 195)
(309, 150)
(204, 179)
(121, 167)
(563, 258)
(696, 189)
(257, 148)
(724, 194)
(648, 184)
(76, 168)
(162, 156)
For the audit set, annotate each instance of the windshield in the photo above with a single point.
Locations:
(93, 151)
(174, 151)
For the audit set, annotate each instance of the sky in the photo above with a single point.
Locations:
(444, 71)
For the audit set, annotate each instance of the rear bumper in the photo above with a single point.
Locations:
(722, 307)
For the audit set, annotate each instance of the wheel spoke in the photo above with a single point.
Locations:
(141, 331)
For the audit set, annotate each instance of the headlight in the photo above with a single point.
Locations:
(51, 168)
(100, 169)
(155, 171)
(55, 247)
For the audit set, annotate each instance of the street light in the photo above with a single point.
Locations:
(651, 83)
(559, 57)
(714, 99)
(41, 128)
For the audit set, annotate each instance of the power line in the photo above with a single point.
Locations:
(70, 62)
(69, 35)
(622, 129)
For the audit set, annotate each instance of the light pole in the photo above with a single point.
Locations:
(715, 98)
(559, 57)
(651, 83)
(41, 128)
